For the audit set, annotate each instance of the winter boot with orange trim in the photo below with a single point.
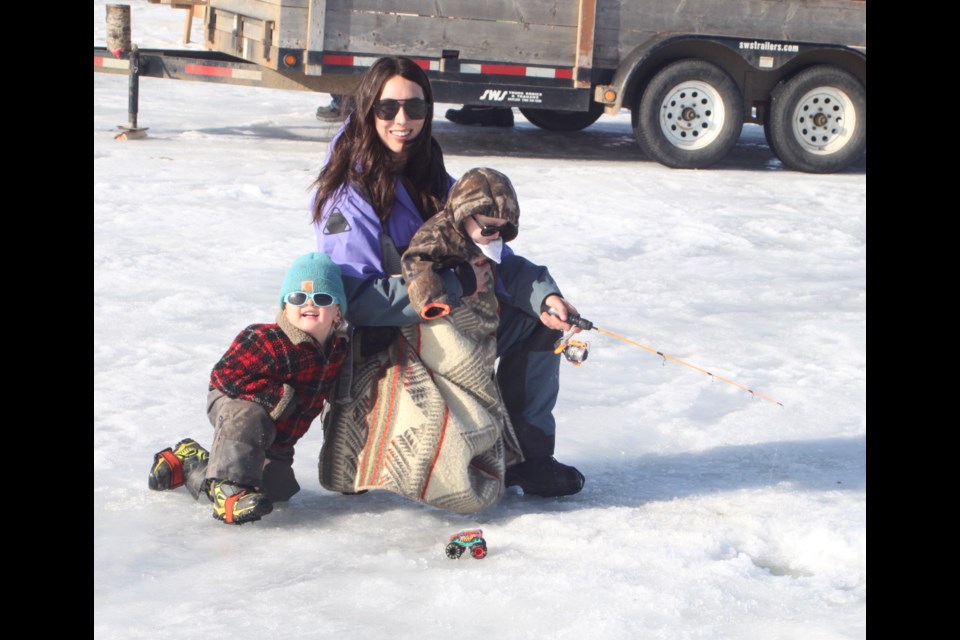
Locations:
(236, 503)
(183, 464)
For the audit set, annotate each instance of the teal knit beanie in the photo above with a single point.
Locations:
(315, 273)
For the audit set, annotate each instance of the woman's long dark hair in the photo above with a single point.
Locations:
(359, 158)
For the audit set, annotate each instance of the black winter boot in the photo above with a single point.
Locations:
(183, 464)
(237, 503)
(545, 477)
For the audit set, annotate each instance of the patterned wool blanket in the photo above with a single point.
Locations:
(425, 418)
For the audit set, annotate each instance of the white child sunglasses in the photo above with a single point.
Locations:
(299, 298)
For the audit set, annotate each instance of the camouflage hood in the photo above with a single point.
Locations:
(484, 192)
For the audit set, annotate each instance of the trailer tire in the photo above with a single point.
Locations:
(553, 120)
(690, 115)
(818, 120)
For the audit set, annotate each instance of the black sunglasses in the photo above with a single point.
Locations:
(299, 298)
(507, 231)
(415, 108)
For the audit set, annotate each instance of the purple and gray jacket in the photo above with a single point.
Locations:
(350, 232)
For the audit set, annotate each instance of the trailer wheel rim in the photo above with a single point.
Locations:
(692, 115)
(824, 121)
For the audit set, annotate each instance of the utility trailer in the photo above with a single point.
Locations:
(692, 72)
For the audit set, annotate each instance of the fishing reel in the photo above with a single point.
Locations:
(575, 351)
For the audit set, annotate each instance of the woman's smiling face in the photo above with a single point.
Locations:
(400, 130)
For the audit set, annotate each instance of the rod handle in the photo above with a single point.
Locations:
(574, 318)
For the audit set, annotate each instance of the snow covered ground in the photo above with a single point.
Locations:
(707, 513)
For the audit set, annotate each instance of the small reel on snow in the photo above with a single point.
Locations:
(575, 351)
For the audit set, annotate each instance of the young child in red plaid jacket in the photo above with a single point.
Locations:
(264, 393)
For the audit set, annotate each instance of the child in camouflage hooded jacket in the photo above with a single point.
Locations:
(481, 215)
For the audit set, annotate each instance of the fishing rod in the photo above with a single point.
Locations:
(576, 351)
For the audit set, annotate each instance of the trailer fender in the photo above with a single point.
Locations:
(739, 57)
(645, 61)
(612, 95)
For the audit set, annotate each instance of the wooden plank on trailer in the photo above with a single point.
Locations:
(560, 13)
(378, 34)
(249, 9)
(585, 32)
(223, 22)
(289, 25)
(179, 4)
(223, 41)
(828, 21)
(316, 28)
(246, 48)
(261, 9)
(255, 30)
(187, 23)
(606, 35)
(291, 28)
(243, 6)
